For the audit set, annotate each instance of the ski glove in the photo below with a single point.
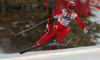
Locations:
(55, 16)
(85, 30)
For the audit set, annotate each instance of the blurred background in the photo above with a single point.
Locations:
(19, 15)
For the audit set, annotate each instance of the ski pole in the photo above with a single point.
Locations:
(73, 38)
(33, 26)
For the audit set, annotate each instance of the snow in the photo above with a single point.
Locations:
(95, 12)
(95, 18)
(79, 53)
(1, 28)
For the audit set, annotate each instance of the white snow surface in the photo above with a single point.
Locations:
(79, 53)
(95, 12)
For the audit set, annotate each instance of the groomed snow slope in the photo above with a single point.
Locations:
(81, 53)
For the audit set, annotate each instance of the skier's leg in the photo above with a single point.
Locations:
(63, 32)
(51, 34)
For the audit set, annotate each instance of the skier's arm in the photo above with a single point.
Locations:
(80, 22)
(57, 12)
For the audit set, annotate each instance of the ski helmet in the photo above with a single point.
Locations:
(71, 5)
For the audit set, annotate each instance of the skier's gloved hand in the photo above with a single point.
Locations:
(85, 30)
(56, 16)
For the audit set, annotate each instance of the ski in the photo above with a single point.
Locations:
(48, 42)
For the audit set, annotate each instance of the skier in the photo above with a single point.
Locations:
(65, 16)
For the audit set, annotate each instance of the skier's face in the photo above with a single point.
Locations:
(71, 9)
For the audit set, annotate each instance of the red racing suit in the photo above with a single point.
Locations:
(61, 25)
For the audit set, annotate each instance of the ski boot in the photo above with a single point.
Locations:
(55, 40)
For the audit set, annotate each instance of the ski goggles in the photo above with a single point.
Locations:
(71, 7)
